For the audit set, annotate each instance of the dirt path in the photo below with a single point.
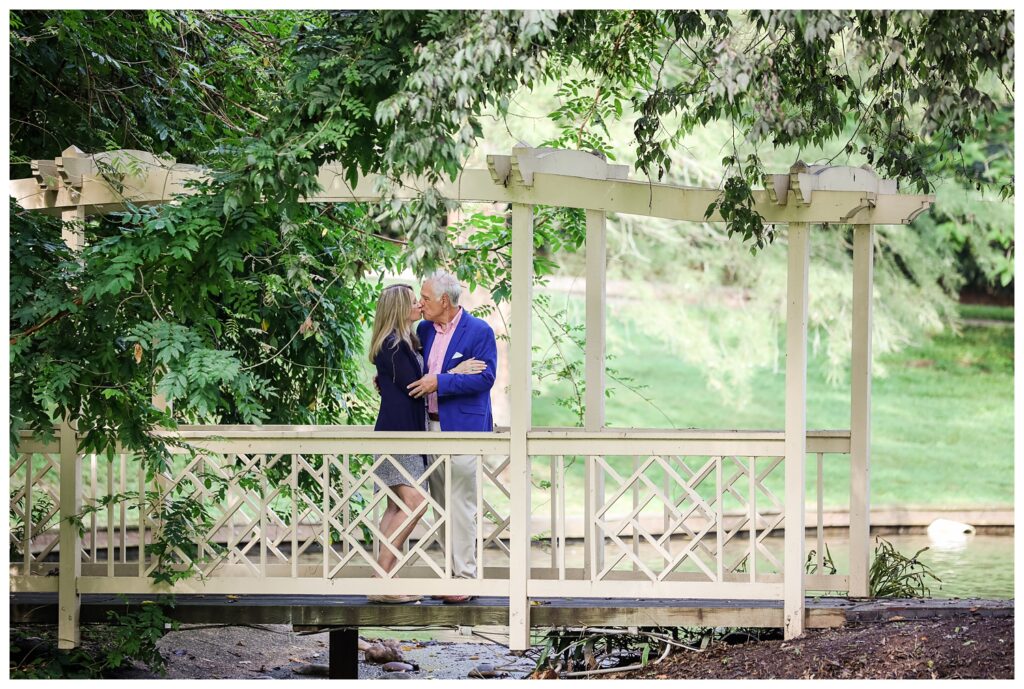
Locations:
(275, 652)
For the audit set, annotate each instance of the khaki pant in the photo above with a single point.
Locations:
(462, 511)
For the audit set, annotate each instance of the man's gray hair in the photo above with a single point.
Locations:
(446, 283)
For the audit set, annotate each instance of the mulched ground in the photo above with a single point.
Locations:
(965, 647)
(958, 646)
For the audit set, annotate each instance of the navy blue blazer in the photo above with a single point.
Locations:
(397, 367)
(464, 400)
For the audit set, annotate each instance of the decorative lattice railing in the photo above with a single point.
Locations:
(679, 514)
(260, 510)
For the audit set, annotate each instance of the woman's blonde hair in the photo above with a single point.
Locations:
(392, 317)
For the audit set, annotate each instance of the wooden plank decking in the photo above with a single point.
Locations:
(355, 611)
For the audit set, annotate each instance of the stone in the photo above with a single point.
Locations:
(397, 666)
(484, 670)
(378, 654)
(312, 670)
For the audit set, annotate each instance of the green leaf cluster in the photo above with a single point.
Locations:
(129, 636)
(164, 81)
(894, 575)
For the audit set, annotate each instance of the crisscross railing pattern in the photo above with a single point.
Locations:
(323, 511)
(666, 514)
(680, 516)
(262, 512)
(692, 497)
(34, 509)
(379, 492)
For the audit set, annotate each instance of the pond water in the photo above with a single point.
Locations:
(981, 566)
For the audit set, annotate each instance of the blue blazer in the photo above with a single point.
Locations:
(464, 401)
(397, 367)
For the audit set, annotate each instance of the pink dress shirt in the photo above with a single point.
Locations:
(442, 339)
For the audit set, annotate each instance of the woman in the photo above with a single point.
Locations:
(395, 352)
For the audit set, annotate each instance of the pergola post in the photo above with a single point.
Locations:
(73, 231)
(73, 234)
(597, 244)
(520, 381)
(70, 568)
(860, 409)
(594, 375)
(796, 428)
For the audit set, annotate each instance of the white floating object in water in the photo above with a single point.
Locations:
(947, 530)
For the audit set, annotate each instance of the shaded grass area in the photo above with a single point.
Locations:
(986, 312)
(942, 414)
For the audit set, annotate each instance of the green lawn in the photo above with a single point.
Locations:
(942, 431)
(942, 415)
(986, 312)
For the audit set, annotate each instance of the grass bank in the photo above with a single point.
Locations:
(986, 312)
(942, 415)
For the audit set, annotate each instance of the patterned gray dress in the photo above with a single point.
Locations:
(414, 465)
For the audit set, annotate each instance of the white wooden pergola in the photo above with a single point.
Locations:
(77, 185)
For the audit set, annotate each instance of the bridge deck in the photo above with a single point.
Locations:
(355, 611)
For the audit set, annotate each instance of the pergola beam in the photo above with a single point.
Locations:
(158, 184)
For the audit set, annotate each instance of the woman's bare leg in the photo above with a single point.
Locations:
(392, 520)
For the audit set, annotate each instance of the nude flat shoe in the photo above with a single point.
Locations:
(457, 599)
(392, 599)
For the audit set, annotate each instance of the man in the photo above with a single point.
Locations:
(449, 335)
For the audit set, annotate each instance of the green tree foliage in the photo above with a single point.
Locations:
(400, 93)
(230, 319)
(970, 225)
(918, 85)
(172, 83)
(242, 304)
